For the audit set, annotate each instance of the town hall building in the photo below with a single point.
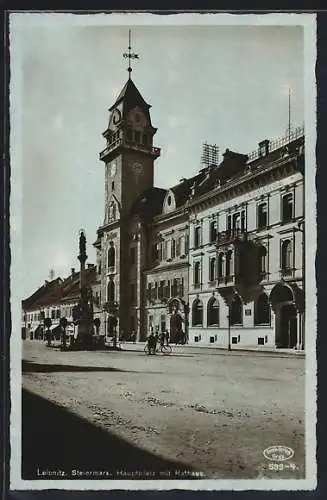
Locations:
(216, 259)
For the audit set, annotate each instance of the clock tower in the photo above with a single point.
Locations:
(129, 154)
(128, 158)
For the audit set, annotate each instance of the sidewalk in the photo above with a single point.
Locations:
(139, 346)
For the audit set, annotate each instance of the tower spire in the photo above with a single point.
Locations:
(130, 55)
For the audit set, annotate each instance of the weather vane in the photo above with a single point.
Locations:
(130, 55)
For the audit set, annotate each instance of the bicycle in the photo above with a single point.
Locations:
(164, 349)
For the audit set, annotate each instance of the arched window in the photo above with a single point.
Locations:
(213, 312)
(111, 291)
(111, 255)
(212, 269)
(262, 310)
(286, 257)
(197, 313)
(197, 280)
(220, 265)
(236, 316)
(229, 263)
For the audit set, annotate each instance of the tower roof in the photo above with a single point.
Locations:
(130, 95)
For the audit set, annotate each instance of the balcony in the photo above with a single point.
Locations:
(155, 152)
(230, 236)
(223, 281)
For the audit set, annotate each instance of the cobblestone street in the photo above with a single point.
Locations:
(215, 412)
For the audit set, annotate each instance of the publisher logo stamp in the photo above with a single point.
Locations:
(278, 453)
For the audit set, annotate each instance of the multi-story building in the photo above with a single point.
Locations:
(246, 256)
(218, 257)
(57, 299)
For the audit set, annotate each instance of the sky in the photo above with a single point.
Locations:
(224, 84)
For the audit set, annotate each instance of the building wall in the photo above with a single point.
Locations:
(272, 237)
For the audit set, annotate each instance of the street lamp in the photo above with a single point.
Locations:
(228, 316)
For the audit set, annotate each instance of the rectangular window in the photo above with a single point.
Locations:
(229, 223)
(236, 221)
(262, 215)
(287, 207)
(173, 248)
(196, 273)
(212, 269)
(161, 289)
(164, 250)
(187, 243)
(197, 236)
(213, 231)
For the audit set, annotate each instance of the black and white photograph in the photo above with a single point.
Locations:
(163, 241)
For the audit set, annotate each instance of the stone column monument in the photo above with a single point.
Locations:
(85, 322)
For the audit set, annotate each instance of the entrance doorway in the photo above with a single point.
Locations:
(288, 326)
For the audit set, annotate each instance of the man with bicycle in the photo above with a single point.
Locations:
(152, 342)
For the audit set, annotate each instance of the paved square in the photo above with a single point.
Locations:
(215, 411)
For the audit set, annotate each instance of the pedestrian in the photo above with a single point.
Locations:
(152, 343)
(167, 337)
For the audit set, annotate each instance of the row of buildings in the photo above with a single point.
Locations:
(219, 256)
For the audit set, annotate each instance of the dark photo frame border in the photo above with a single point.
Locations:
(321, 154)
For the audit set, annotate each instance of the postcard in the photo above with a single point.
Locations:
(163, 240)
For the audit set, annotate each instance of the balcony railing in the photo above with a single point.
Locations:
(225, 280)
(229, 236)
(278, 143)
(155, 152)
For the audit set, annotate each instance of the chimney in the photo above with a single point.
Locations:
(264, 147)
(72, 271)
(89, 266)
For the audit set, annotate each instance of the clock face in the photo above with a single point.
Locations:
(113, 168)
(137, 168)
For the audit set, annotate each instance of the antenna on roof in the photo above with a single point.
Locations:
(210, 154)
